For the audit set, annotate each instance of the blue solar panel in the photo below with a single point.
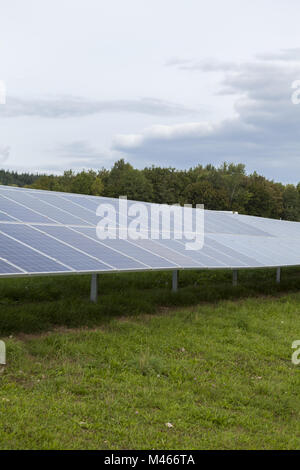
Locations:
(51, 232)
(145, 255)
(113, 258)
(246, 260)
(55, 214)
(198, 258)
(28, 259)
(20, 212)
(5, 217)
(72, 207)
(6, 268)
(62, 253)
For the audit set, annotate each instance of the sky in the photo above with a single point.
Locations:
(156, 82)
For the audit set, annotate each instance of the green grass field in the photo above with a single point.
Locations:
(212, 360)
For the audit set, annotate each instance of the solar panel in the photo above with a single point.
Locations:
(45, 232)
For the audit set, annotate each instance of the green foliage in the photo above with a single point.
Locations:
(85, 182)
(264, 200)
(227, 187)
(124, 180)
(13, 178)
(168, 184)
(111, 375)
(291, 203)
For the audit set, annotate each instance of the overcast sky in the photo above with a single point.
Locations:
(163, 82)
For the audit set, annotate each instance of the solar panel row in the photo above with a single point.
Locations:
(48, 232)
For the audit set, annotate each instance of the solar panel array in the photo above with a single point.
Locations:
(45, 232)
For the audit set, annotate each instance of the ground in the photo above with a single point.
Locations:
(206, 368)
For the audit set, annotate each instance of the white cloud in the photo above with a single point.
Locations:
(80, 154)
(112, 57)
(283, 55)
(164, 133)
(72, 106)
(264, 134)
(204, 65)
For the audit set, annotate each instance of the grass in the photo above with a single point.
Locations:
(212, 360)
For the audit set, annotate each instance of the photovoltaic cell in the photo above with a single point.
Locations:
(82, 216)
(6, 268)
(52, 232)
(20, 212)
(5, 217)
(28, 259)
(55, 249)
(149, 258)
(56, 214)
(113, 258)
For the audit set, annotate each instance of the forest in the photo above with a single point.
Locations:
(227, 187)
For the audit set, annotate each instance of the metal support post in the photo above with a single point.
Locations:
(234, 277)
(94, 288)
(175, 281)
(278, 275)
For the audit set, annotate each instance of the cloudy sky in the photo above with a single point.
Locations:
(164, 82)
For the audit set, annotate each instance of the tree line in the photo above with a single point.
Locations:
(227, 187)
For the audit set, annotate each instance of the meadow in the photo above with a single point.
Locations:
(208, 367)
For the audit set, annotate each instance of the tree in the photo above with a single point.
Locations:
(291, 203)
(124, 180)
(87, 183)
(168, 184)
(227, 187)
(235, 182)
(204, 192)
(265, 197)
